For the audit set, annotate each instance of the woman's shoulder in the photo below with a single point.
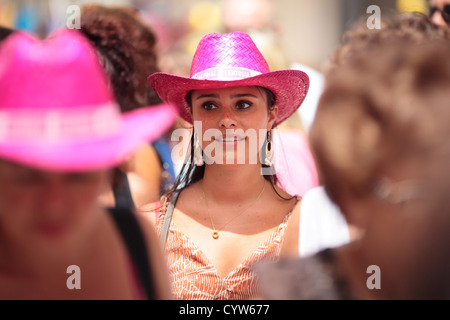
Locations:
(290, 242)
(153, 210)
(148, 165)
(142, 190)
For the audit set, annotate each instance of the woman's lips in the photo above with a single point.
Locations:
(229, 140)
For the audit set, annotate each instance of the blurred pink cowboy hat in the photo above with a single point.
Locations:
(56, 109)
(230, 60)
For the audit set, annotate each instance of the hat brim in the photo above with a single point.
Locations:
(289, 87)
(138, 127)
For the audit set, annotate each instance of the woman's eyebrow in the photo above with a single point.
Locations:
(212, 95)
(234, 96)
(241, 95)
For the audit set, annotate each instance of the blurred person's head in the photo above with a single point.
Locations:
(61, 131)
(439, 12)
(380, 140)
(127, 50)
(415, 27)
(47, 208)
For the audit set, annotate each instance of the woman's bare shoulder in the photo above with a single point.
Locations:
(153, 210)
(290, 242)
(142, 190)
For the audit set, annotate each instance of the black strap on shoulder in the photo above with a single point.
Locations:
(168, 218)
(122, 192)
(137, 248)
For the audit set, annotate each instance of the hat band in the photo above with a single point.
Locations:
(58, 126)
(225, 73)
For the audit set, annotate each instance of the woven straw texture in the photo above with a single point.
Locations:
(229, 50)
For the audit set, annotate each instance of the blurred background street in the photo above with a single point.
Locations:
(287, 31)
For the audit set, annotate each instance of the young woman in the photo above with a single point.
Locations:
(61, 133)
(225, 212)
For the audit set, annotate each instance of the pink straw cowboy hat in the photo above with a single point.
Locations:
(56, 109)
(230, 60)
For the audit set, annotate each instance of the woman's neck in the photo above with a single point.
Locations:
(232, 183)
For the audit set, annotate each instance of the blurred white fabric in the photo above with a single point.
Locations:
(322, 224)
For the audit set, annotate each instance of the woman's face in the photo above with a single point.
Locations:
(39, 207)
(233, 121)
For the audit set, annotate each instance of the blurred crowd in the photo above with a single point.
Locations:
(121, 175)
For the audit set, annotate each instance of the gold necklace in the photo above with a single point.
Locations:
(215, 234)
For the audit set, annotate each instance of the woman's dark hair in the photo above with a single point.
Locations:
(126, 49)
(191, 173)
(126, 46)
(5, 32)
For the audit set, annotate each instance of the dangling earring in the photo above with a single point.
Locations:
(268, 161)
(198, 152)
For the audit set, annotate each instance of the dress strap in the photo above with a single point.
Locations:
(168, 217)
(122, 192)
(132, 235)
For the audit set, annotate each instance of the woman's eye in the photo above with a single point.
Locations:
(242, 105)
(27, 179)
(209, 106)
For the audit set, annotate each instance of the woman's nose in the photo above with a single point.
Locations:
(437, 19)
(52, 197)
(227, 119)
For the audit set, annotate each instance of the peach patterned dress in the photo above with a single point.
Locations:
(193, 277)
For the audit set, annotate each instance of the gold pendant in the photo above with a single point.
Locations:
(215, 235)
